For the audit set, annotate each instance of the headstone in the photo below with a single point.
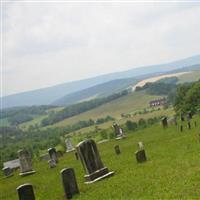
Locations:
(117, 149)
(69, 182)
(25, 192)
(164, 122)
(140, 156)
(189, 125)
(53, 154)
(118, 131)
(181, 128)
(140, 146)
(69, 145)
(76, 155)
(52, 163)
(25, 163)
(7, 171)
(182, 117)
(91, 161)
(189, 115)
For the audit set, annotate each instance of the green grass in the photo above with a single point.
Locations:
(189, 77)
(171, 172)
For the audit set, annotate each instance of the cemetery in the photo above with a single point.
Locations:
(146, 160)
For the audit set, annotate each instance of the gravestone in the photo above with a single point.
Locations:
(189, 125)
(53, 154)
(69, 182)
(7, 171)
(181, 128)
(91, 161)
(25, 192)
(52, 163)
(182, 117)
(25, 163)
(76, 155)
(140, 146)
(164, 122)
(117, 149)
(189, 115)
(140, 156)
(69, 145)
(118, 131)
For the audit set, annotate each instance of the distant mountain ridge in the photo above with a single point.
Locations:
(52, 94)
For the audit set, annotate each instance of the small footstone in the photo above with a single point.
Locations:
(69, 182)
(25, 192)
(140, 156)
(117, 150)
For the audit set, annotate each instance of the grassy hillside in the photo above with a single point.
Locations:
(171, 172)
(189, 77)
(127, 104)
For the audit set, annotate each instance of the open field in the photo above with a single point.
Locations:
(171, 172)
(189, 77)
(157, 78)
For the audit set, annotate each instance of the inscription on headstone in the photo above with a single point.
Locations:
(91, 161)
(69, 182)
(52, 163)
(140, 156)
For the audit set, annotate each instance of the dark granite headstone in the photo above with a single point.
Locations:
(181, 128)
(25, 163)
(91, 161)
(25, 192)
(164, 122)
(53, 154)
(140, 156)
(117, 150)
(69, 182)
(7, 171)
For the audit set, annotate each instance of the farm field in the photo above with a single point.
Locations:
(171, 172)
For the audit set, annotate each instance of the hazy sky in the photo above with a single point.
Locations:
(49, 43)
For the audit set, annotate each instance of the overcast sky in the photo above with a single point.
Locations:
(50, 43)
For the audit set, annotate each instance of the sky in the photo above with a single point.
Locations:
(48, 43)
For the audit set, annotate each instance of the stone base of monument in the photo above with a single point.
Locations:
(27, 173)
(98, 175)
(120, 137)
(70, 150)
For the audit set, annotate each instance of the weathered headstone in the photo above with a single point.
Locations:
(117, 149)
(118, 131)
(25, 192)
(140, 146)
(140, 156)
(53, 154)
(164, 122)
(52, 163)
(69, 182)
(25, 163)
(90, 158)
(69, 145)
(7, 171)
(189, 125)
(76, 155)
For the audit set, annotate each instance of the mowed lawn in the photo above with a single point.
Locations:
(171, 172)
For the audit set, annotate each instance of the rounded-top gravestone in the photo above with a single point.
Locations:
(25, 192)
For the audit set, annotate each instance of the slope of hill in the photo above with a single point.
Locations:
(51, 94)
(170, 155)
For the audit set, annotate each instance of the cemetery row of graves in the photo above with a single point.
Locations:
(88, 154)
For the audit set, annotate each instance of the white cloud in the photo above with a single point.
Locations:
(50, 43)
